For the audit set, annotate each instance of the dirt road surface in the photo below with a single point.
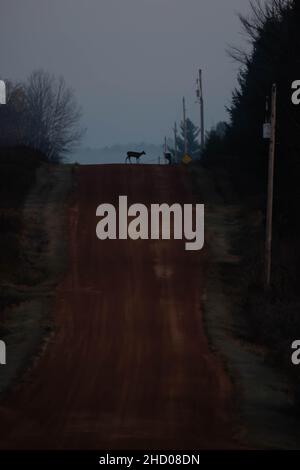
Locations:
(129, 365)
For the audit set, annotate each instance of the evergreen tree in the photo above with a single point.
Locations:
(273, 32)
(192, 139)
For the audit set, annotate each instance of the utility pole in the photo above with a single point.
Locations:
(175, 143)
(270, 199)
(201, 102)
(165, 149)
(185, 128)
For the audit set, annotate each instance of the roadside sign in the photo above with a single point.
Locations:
(267, 130)
(187, 159)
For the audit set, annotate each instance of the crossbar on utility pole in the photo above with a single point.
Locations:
(270, 198)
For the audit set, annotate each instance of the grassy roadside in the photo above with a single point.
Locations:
(273, 320)
(34, 209)
(17, 174)
(273, 317)
(265, 392)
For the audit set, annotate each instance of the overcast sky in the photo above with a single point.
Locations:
(129, 61)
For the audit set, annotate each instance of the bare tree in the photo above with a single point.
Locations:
(52, 115)
(261, 12)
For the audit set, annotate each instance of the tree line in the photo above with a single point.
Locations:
(272, 29)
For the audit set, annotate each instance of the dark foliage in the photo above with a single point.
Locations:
(17, 175)
(273, 31)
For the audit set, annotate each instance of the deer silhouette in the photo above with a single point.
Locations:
(136, 155)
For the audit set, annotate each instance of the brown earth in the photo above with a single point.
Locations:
(129, 364)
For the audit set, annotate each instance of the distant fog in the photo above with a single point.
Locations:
(115, 154)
